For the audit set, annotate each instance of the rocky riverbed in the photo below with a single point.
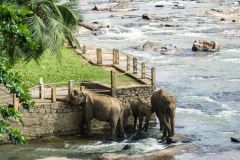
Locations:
(205, 84)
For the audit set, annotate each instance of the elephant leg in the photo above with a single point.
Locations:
(89, 127)
(88, 117)
(165, 126)
(146, 125)
(169, 130)
(140, 122)
(113, 124)
(172, 119)
(82, 125)
(164, 134)
(120, 124)
(160, 122)
(135, 122)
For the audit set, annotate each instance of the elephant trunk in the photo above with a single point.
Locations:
(166, 123)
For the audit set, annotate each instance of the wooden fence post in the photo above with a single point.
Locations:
(143, 75)
(15, 102)
(99, 56)
(115, 56)
(84, 49)
(113, 83)
(41, 89)
(153, 77)
(82, 88)
(128, 63)
(53, 94)
(113, 80)
(70, 87)
(134, 65)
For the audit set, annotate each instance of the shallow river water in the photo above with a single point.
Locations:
(207, 87)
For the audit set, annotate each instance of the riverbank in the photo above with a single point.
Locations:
(70, 66)
(206, 85)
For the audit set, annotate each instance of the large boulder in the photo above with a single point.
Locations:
(167, 49)
(235, 139)
(101, 8)
(93, 25)
(205, 46)
(155, 17)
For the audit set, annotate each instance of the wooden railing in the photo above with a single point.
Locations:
(129, 64)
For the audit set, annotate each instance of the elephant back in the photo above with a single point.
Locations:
(160, 97)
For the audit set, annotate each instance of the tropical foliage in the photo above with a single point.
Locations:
(28, 28)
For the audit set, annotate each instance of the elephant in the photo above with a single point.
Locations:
(164, 105)
(100, 107)
(141, 109)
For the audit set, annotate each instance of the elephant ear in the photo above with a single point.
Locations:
(74, 93)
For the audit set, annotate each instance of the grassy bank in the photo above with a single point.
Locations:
(71, 67)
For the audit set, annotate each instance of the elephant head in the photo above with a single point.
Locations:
(168, 102)
(78, 97)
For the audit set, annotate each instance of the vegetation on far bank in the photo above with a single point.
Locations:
(71, 67)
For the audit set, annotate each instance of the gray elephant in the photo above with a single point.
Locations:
(100, 107)
(164, 105)
(141, 109)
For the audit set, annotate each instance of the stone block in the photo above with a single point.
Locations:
(29, 122)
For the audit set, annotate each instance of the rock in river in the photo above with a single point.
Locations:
(93, 25)
(205, 46)
(123, 6)
(235, 139)
(167, 49)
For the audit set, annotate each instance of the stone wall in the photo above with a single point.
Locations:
(51, 119)
(65, 119)
(128, 94)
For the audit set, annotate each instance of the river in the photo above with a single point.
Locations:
(207, 87)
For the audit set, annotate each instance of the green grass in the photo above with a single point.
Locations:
(71, 67)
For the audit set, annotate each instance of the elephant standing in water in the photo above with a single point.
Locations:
(164, 105)
(101, 107)
(141, 109)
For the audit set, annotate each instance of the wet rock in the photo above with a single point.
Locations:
(205, 46)
(93, 25)
(129, 16)
(170, 25)
(159, 47)
(167, 153)
(123, 6)
(147, 16)
(222, 19)
(159, 5)
(235, 139)
(140, 135)
(154, 17)
(127, 147)
(178, 138)
(178, 7)
(101, 8)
